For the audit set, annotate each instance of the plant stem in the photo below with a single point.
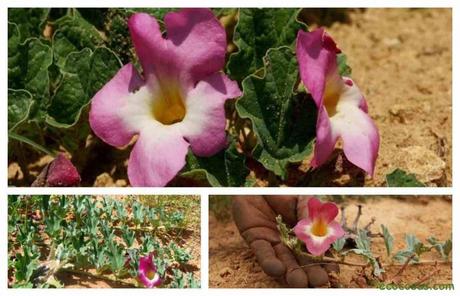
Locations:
(25, 140)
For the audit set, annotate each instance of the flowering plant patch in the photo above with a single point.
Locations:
(119, 242)
(194, 97)
(322, 240)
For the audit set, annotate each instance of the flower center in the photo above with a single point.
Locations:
(168, 107)
(319, 228)
(151, 275)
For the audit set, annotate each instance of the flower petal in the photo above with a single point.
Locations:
(158, 155)
(104, 117)
(204, 124)
(156, 56)
(359, 134)
(317, 56)
(326, 211)
(195, 46)
(325, 139)
(199, 39)
(301, 226)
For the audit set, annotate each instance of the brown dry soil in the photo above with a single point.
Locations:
(232, 264)
(402, 61)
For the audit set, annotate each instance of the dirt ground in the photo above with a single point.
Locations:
(232, 264)
(402, 61)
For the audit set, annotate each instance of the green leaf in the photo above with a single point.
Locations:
(388, 239)
(283, 121)
(399, 178)
(78, 31)
(257, 31)
(83, 74)
(362, 240)
(227, 168)
(339, 244)
(31, 21)
(413, 247)
(443, 249)
(19, 104)
(344, 69)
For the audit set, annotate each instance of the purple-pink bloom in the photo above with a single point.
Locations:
(342, 109)
(319, 230)
(177, 101)
(147, 272)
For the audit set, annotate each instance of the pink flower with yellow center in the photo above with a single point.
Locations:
(176, 103)
(147, 272)
(319, 230)
(342, 109)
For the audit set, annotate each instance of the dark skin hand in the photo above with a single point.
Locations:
(255, 218)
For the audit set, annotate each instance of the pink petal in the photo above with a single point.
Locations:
(329, 211)
(299, 229)
(200, 41)
(195, 46)
(104, 118)
(317, 56)
(360, 137)
(204, 124)
(359, 134)
(147, 265)
(314, 208)
(326, 211)
(158, 155)
(325, 139)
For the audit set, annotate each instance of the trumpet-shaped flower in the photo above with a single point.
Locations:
(177, 101)
(147, 272)
(319, 230)
(342, 109)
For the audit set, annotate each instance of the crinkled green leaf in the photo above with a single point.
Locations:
(362, 240)
(257, 31)
(400, 178)
(413, 247)
(78, 31)
(284, 121)
(443, 248)
(30, 21)
(19, 104)
(377, 269)
(83, 74)
(388, 239)
(227, 168)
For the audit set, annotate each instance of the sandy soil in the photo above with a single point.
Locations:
(231, 263)
(401, 59)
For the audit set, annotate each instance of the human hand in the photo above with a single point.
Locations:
(255, 217)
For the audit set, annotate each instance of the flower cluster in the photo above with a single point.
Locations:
(177, 102)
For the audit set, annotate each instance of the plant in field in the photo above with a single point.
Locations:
(319, 233)
(319, 230)
(178, 101)
(342, 109)
(80, 234)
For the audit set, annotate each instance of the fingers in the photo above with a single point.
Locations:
(317, 274)
(284, 205)
(295, 276)
(267, 259)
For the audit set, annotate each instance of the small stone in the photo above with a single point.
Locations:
(225, 272)
(424, 163)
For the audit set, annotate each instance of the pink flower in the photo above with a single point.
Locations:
(177, 102)
(342, 109)
(147, 272)
(319, 230)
